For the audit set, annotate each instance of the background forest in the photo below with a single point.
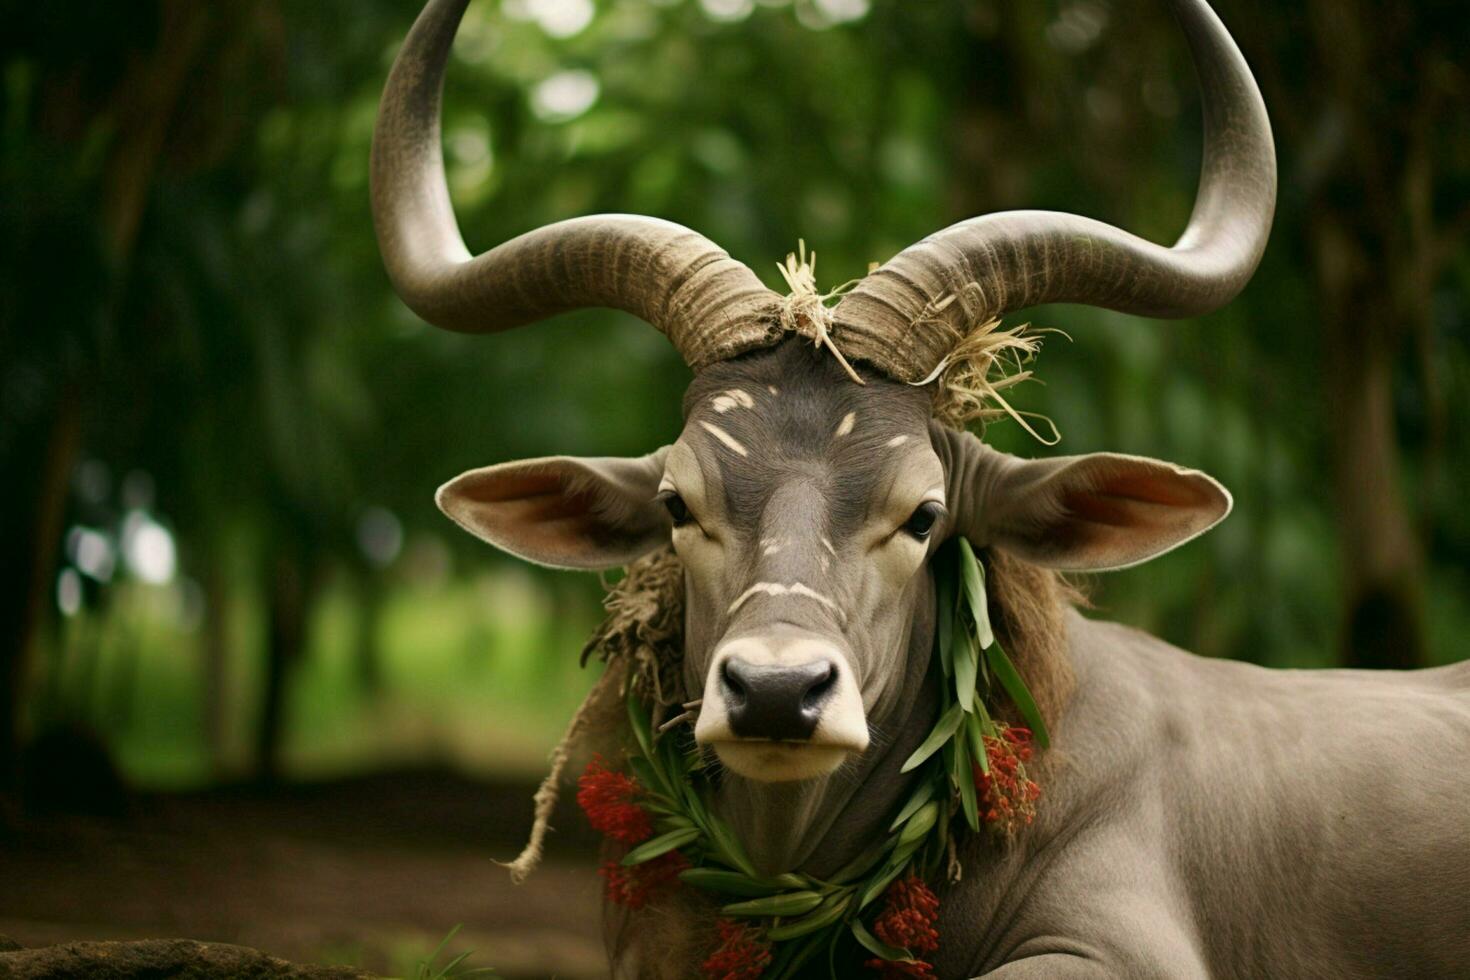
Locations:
(220, 432)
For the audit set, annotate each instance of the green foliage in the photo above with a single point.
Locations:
(241, 346)
(455, 968)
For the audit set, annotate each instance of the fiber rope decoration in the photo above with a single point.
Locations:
(549, 791)
(971, 765)
(805, 311)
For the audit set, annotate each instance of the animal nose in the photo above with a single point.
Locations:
(776, 701)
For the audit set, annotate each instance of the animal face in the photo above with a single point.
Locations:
(804, 509)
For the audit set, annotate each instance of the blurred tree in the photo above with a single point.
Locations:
(143, 369)
(96, 118)
(189, 284)
(1372, 97)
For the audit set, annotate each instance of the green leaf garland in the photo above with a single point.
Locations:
(801, 915)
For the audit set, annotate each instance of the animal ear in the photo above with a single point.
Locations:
(1081, 513)
(563, 511)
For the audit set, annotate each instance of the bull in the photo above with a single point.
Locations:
(1202, 818)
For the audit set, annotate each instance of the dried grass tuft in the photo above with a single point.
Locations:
(644, 628)
(805, 311)
(985, 361)
(968, 384)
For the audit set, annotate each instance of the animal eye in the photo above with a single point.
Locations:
(922, 521)
(678, 510)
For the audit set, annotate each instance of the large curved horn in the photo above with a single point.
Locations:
(906, 316)
(708, 304)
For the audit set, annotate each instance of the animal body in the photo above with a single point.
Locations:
(1202, 818)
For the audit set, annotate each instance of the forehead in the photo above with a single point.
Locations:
(790, 415)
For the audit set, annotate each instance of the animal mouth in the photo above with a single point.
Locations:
(770, 760)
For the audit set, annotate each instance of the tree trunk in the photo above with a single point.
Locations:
(31, 569)
(1381, 559)
(370, 595)
(1383, 623)
(216, 664)
(150, 90)
(286, 633)
(1371, 238)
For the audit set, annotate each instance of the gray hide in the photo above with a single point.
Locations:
(1200, 818)
(1213, 818)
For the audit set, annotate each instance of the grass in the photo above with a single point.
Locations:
(455, 967)
(479, 673)
(404, 957)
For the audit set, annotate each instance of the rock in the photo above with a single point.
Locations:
(177, 959)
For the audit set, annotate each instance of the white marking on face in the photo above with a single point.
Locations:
(773, 389)
(828, 545)
(896, 441)
(778, 589)
(845, 426)
(725, 401)
(771, 549)
(724, 437)
(826, 562)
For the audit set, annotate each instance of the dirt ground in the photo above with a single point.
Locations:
(371, 872)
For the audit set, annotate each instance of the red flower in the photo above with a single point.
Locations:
(606, 796)
(634, 886)
(901, 970)
(743, 953)
(909, 913)
(1006, 795)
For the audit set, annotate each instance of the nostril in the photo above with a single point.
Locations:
(776, 701)
(735, 688)
(821, 685)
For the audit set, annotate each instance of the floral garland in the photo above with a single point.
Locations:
(772, 926)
